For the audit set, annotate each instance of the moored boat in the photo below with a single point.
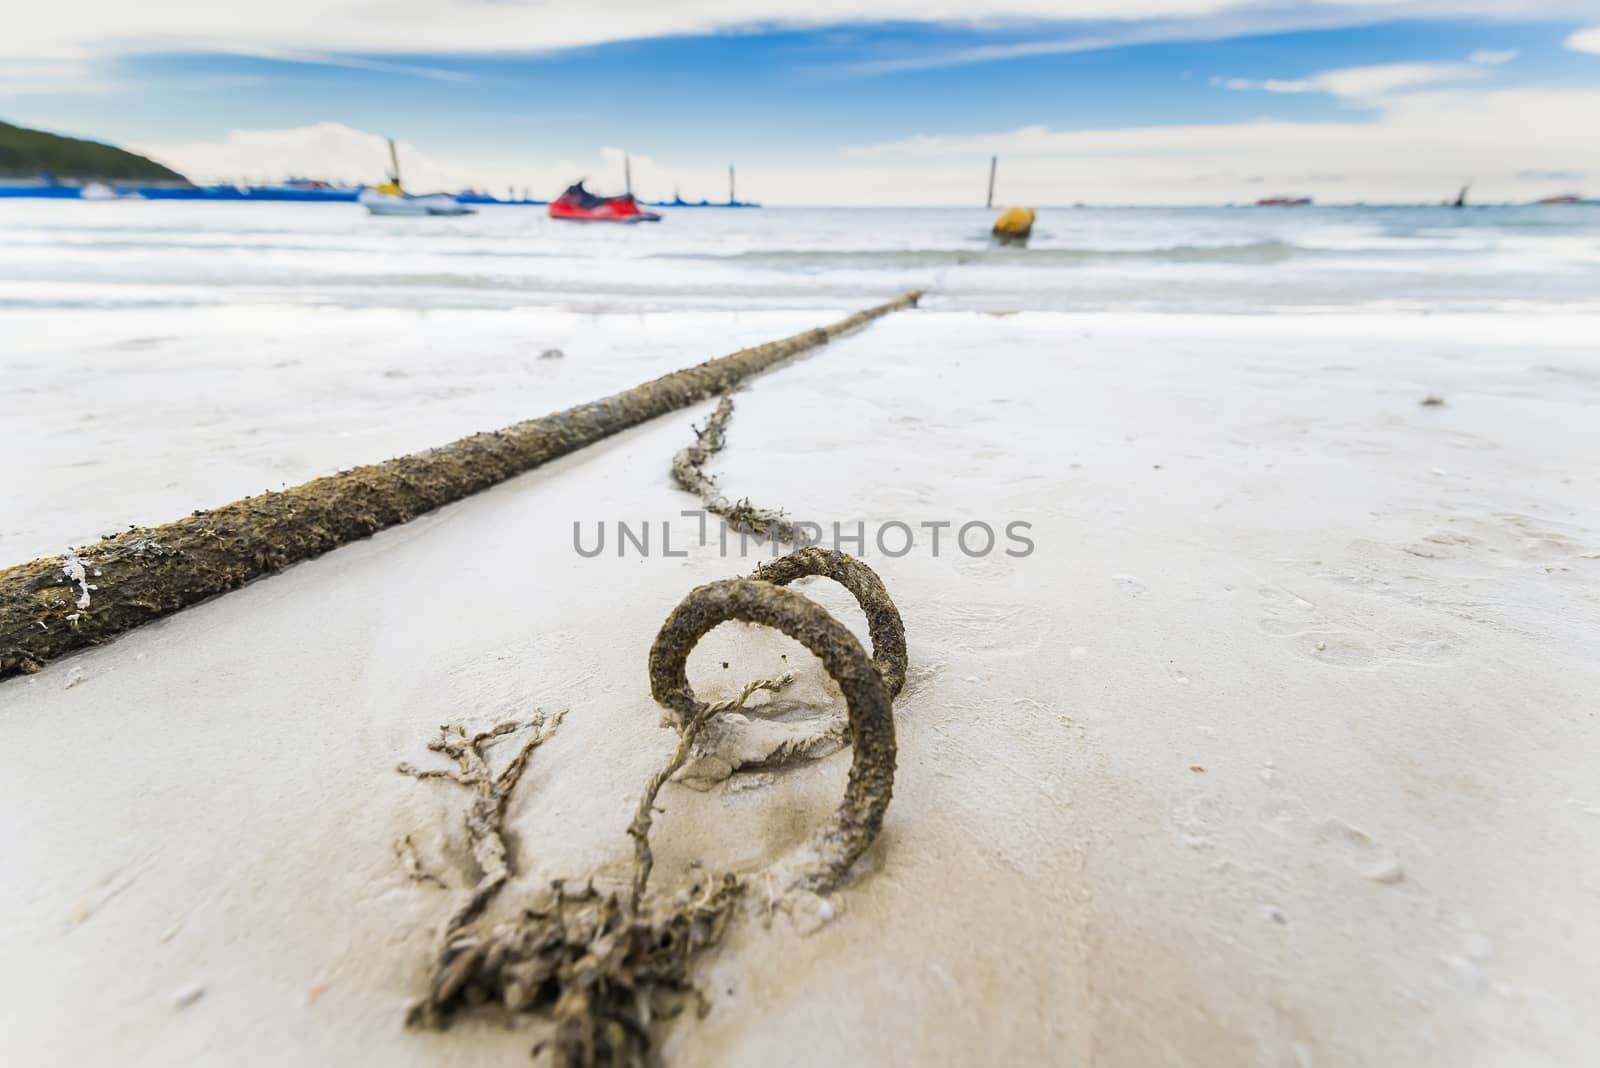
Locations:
(390, 199)
(577, 204)
(102, 191)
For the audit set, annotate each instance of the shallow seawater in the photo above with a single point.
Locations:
(156, 357)
(67, 254)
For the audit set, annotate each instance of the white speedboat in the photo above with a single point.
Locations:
(390, 199)
(102, 191)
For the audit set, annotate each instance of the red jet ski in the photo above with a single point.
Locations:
(580, 205)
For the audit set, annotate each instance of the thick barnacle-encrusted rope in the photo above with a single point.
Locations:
(866, 692)
(888, 633)
(52, 606)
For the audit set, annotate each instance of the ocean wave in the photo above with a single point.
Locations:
(1253, 252)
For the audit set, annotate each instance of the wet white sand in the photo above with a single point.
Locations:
(1279, 748)
(141, 415)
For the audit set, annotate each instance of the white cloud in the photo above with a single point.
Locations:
(1228, 20)
(1510, 143)
(1493, 58)
(1420, 146)
(1270, 85)
(325, 59)
(341, 153)
(1363, 83)
(357, 28)
(328, 150)
(23, 76)
(1585, 40)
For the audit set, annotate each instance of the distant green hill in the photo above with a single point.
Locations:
(24, 153)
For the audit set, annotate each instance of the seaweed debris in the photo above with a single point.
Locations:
(689, 472)
(603, 970)
(490, 793)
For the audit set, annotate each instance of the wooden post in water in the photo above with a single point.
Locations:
(994, 161)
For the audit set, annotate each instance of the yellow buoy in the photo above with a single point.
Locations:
(1014, 224)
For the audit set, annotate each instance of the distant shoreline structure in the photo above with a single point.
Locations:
(225, 193)
(41, 165)
(286, 193)
(47, 166)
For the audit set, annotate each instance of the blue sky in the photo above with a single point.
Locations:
(811, 100)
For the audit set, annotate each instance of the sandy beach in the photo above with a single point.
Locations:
(1277, 748)
(1039, 533)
